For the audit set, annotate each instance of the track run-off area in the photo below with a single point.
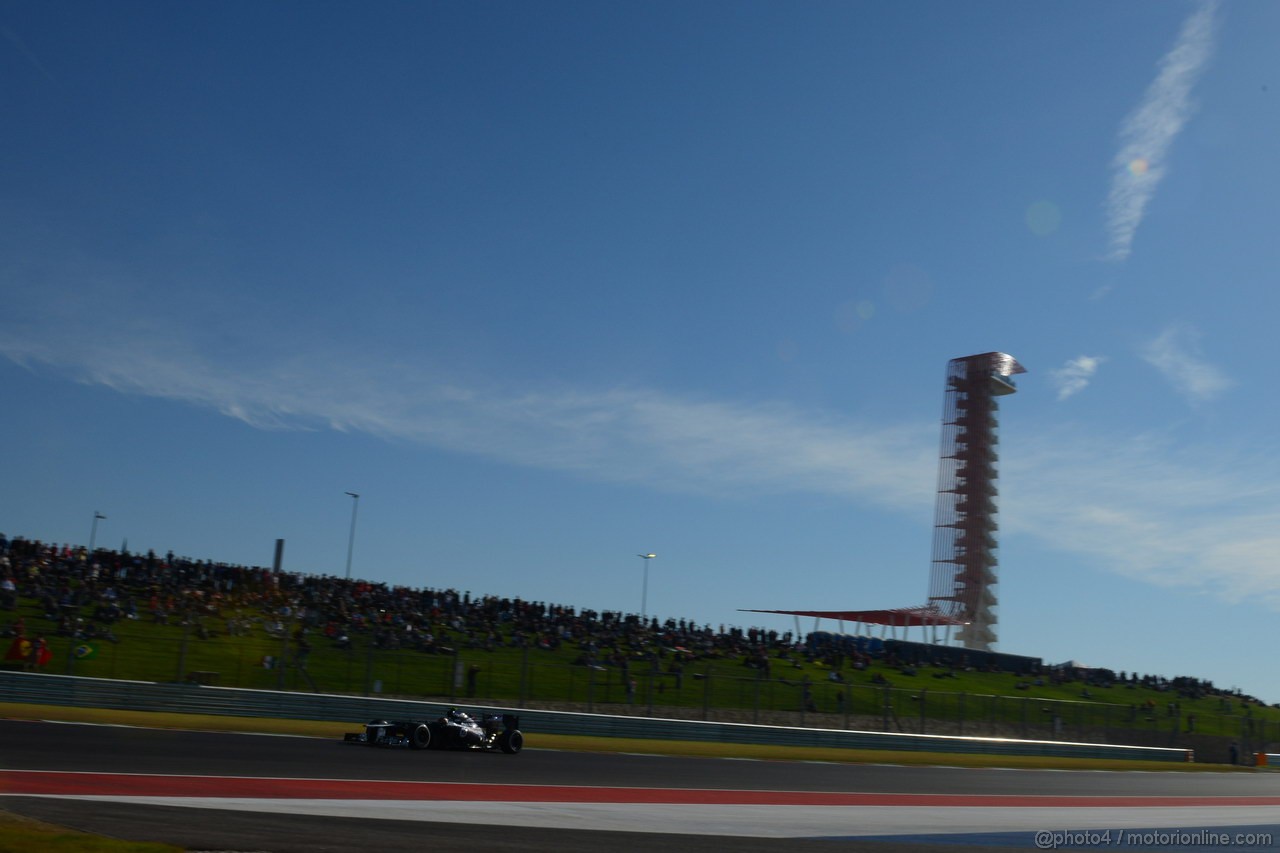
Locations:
(207, 790)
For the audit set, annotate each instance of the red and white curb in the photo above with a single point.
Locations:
(699, 811)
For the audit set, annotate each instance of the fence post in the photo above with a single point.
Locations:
(182, 650)
(284, 648)
(455, 677)
(368, 665)
(755, 714)
(524, 673)
(706, 693)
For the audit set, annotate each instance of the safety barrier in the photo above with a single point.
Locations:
(39, 688)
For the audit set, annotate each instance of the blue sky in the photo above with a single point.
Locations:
(551, 284)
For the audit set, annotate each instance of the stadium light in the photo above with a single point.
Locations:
(93, 530)
(351, 539)
(644, 590)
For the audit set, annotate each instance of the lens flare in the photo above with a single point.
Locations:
(851, 315)
(1043, 218)
(1138, 167)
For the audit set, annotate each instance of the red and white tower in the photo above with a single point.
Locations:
(963, 578)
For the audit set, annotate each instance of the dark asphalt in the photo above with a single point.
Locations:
(56, 746)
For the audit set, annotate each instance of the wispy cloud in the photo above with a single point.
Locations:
(621, 434)
(1176, 354)
(1150, 130)
(1195, 517)
(1200, 518)
(1075, 375)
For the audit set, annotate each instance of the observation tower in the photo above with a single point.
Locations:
(963, 577)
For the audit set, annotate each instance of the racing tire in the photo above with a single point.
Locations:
(511, 741)
(420, 737)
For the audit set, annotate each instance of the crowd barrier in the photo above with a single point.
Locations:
(63, 690)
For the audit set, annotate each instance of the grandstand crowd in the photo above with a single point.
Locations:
(68, 581)
(83, 595)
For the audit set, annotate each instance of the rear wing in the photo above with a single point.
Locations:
(507, 721)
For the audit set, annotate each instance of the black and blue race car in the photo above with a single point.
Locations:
(455, 730)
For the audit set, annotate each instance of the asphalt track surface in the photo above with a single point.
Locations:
(195, 757)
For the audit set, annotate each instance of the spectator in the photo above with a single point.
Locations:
(40, 654)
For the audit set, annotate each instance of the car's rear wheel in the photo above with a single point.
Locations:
(511, 741)
(420, 737)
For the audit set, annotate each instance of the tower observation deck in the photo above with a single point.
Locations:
(963, 576)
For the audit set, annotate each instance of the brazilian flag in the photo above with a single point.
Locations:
(85, 651)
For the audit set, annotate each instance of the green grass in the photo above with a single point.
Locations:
(969, 703)
(23, 835)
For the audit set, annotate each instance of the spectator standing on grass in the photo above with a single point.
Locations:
(40, 654)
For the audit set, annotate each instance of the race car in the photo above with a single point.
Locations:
(455, 730)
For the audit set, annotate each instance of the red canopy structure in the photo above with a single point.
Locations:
(901, 617)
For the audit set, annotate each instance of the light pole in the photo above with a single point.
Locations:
(93, 530)
(644, 590)
(351, 540)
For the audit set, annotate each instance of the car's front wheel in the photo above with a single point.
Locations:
(420, 737)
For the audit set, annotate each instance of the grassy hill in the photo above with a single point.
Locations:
(244, 648)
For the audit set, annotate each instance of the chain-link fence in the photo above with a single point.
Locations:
(696, 690)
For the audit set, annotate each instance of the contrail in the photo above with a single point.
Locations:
(1149, 131)
(20, 46)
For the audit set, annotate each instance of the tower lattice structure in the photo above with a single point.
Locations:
(963, 576)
